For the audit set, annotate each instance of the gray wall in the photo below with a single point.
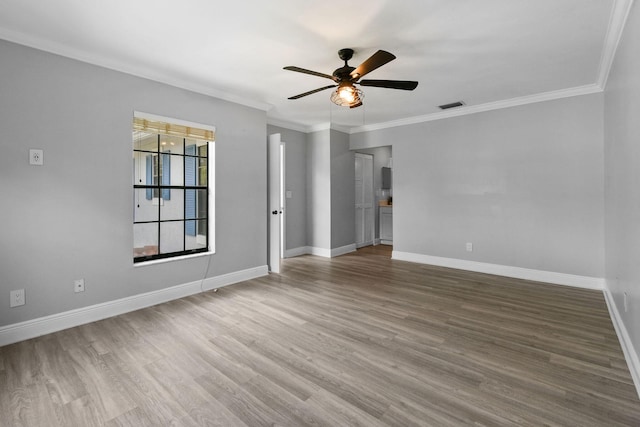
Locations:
(320, 172)
(295, 181)
(343, 193)
(319, 190)
(622, 166)
(72, 218)
(524, 185)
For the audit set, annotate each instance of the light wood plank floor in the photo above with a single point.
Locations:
(358, 340)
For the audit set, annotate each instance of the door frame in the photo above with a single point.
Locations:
(372, 224)
(275, 209)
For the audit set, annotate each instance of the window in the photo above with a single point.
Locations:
(172, 206)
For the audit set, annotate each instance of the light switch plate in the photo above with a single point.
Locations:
(36, 157)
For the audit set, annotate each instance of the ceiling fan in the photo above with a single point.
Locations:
(346, 77)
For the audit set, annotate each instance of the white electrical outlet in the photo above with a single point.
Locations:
(78, 285)
(469, 247)
(36, 157)
(17, 298)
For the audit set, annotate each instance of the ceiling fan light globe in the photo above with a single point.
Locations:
(347, 95)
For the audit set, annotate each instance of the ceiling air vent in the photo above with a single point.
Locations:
(452, 105)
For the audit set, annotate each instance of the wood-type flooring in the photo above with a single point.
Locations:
(357, 340)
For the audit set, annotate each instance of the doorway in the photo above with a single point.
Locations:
(364, 207)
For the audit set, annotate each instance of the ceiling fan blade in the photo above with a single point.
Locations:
(376, 60)
(313, 73)
(390, 84)
(311, 92)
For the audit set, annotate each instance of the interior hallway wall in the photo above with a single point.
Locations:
(295, 182)
(343, 192)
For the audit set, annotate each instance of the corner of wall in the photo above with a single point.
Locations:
(630, 355)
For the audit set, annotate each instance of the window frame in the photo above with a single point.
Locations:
(161, 187)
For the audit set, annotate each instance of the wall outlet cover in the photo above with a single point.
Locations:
(36, 157)
(17, 298)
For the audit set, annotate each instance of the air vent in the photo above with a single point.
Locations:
(452, 105)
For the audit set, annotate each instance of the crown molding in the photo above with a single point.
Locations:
(319, 127)
(288, 125)
(454, 112)
(617, 20)
(489, 106)
(327, 126)
(123, 67)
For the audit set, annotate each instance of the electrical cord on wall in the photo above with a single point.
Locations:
(206, 273)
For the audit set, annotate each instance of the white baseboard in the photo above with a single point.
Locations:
(343, 250)
(364, 244)
(630, 354)
(56, 322)
(323, 252)
(319, 251)
(235, 277)
(505, 270)
(302, 250)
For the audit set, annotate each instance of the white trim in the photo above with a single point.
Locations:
(630, 355)
(489, 106)
(319, 251)
(343, 250)
(156, 118)
(619, 13)
(617, 20)
(171, 259)
(302, 250)
(68, 319)
(235, 277)
(287, 125)
(327, 253)
(584, 282)
(319, 127)
(147, 73)
(364, 244)
(330, 253)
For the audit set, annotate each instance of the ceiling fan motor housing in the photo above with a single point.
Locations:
(345, 54)
(344, 73)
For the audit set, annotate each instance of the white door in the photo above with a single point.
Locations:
(365, 226)
(275, 206)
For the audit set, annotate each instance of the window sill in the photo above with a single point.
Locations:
(177, 258)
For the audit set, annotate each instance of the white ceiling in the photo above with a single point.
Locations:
(483, 52)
